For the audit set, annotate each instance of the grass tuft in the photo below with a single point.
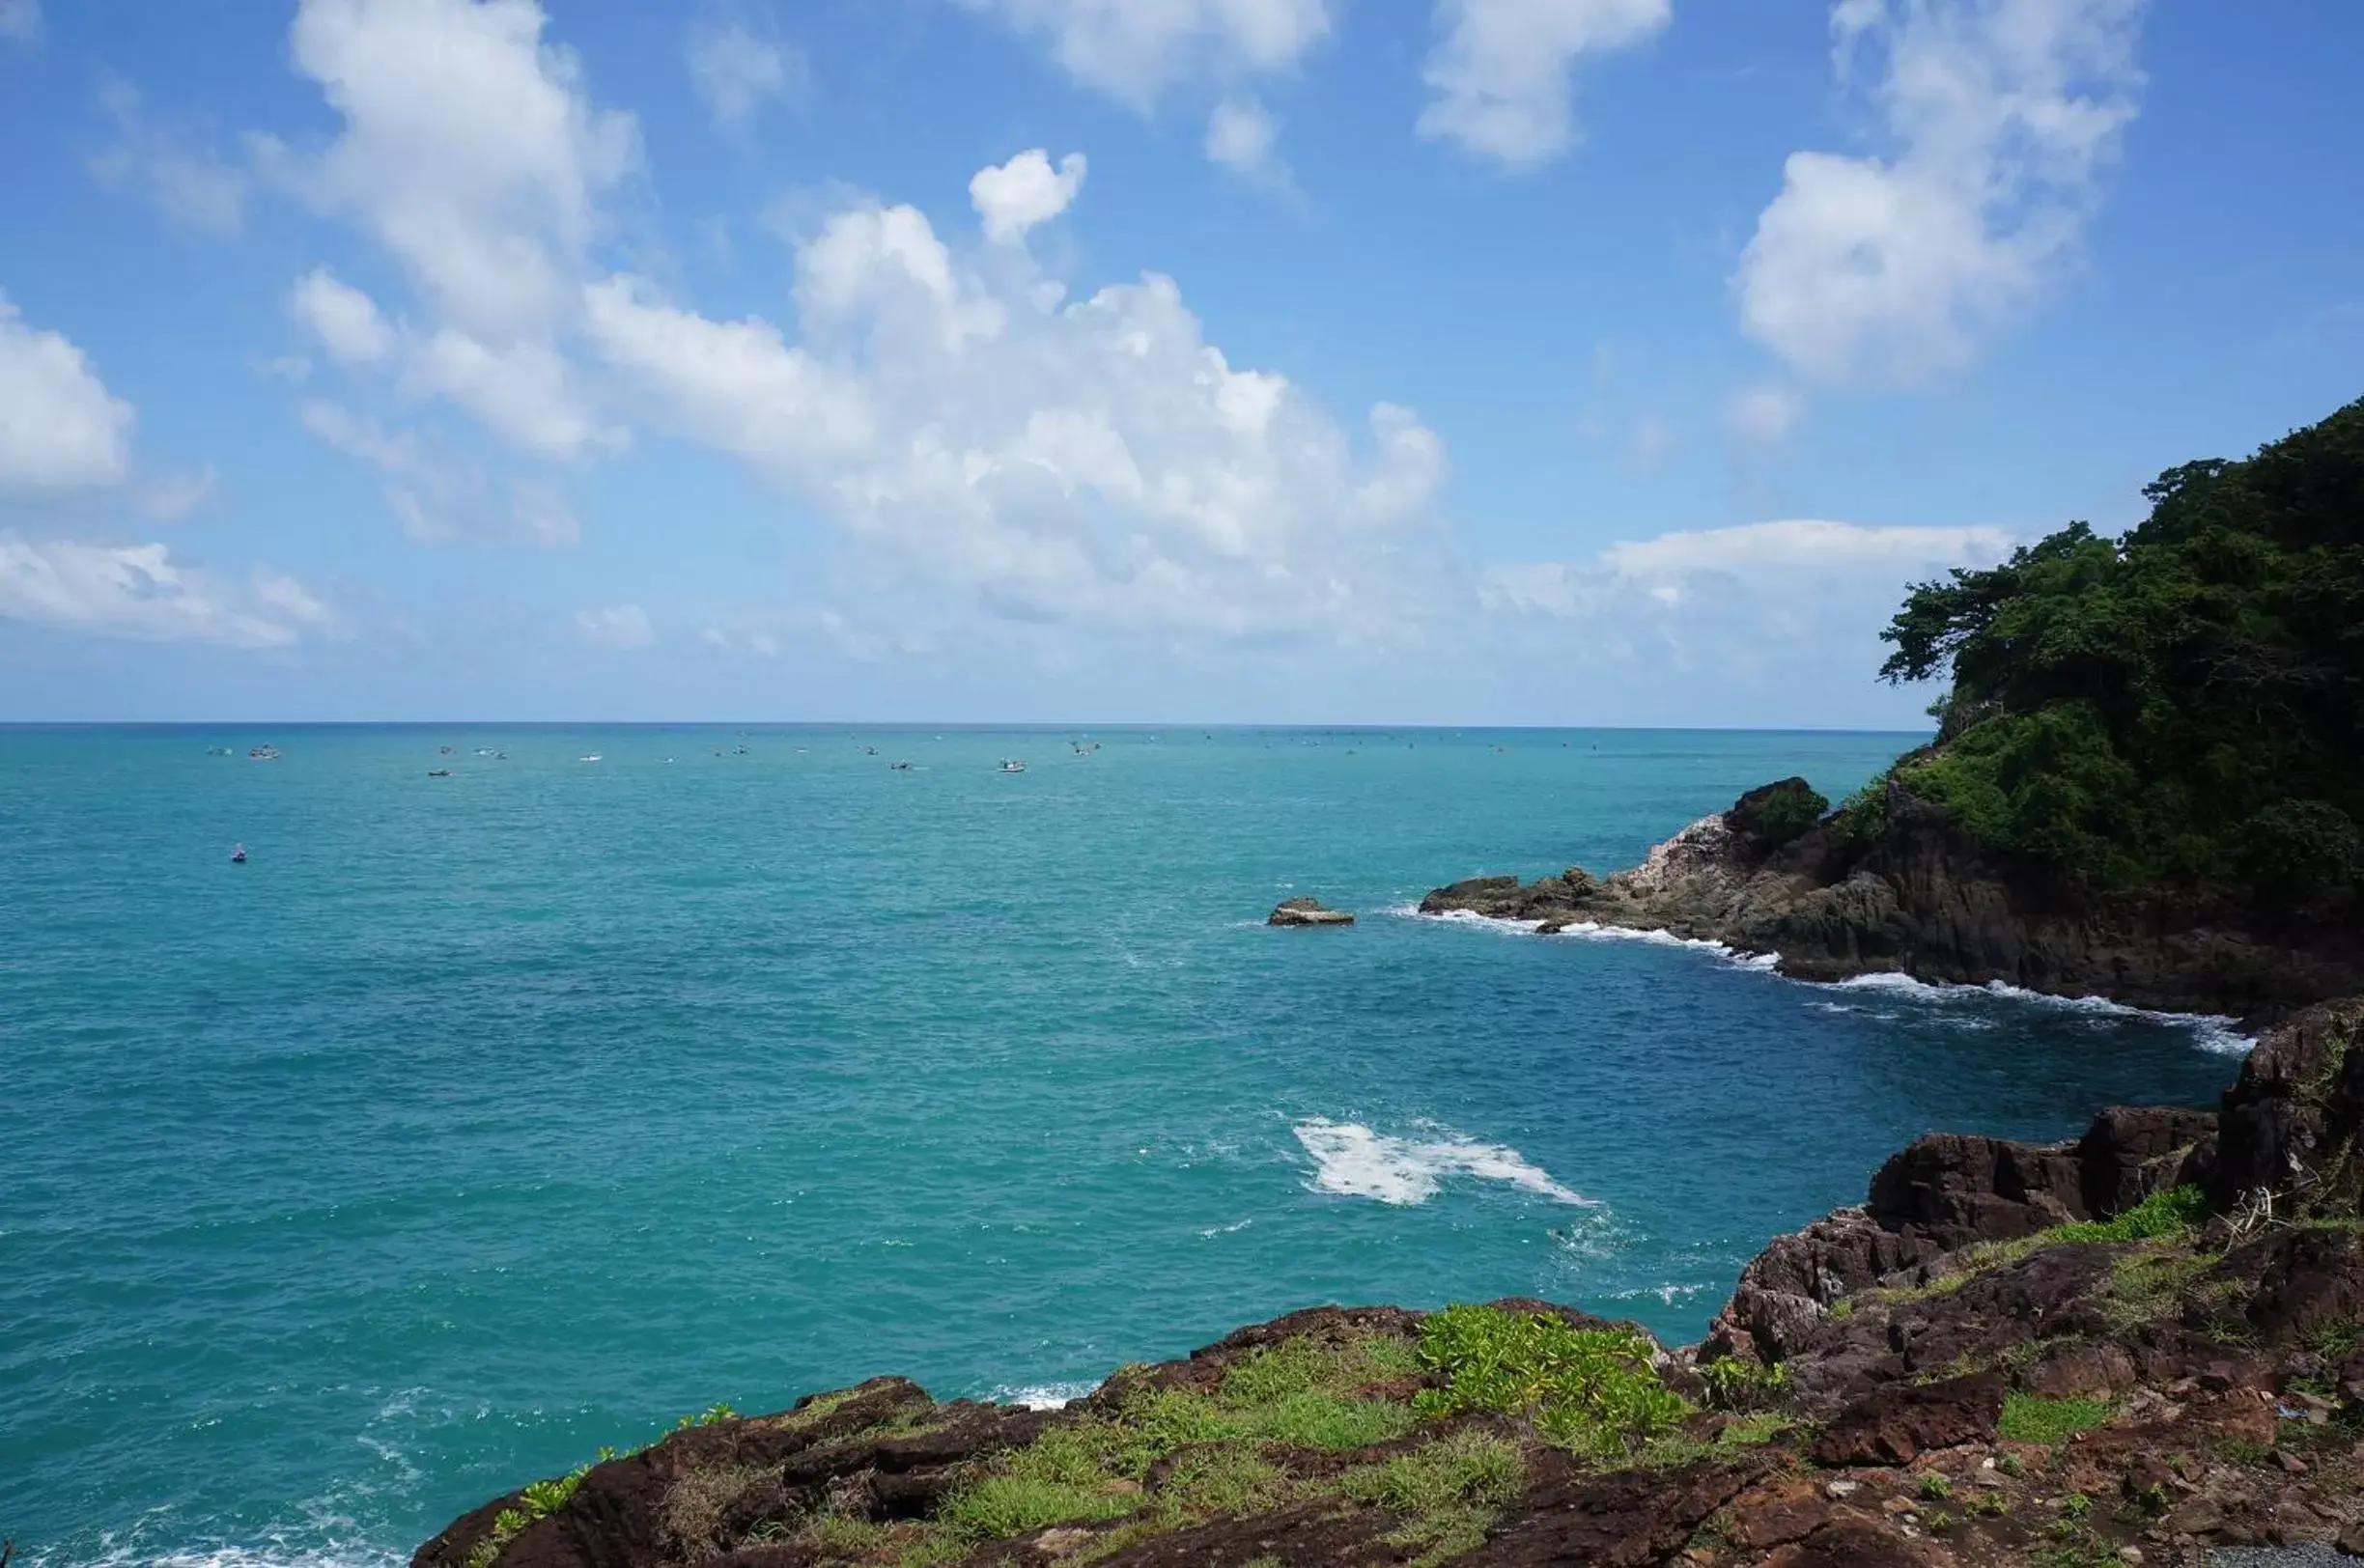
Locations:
(2169, 1213)
(2027, 1419)
(1591, 1390)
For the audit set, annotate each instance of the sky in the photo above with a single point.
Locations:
(1070, 361)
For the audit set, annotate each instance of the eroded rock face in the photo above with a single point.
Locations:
(1923, 899)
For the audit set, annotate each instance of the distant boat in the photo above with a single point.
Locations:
(446, 750)
(589, 757)
(263, 753)
(1011, 764)
(238, 855)
(900, 766)
(219, 751)
(486, 751)
(438, 772)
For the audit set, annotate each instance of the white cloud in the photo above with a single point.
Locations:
(1014, 197)
(1764, 415)
(60, 427)
(1240, 137)
(1808, 545)
(1134, 49)
(737, 69)
(1500, 77)
(1890, 270)
(621, 626)
(439, 498)
(183, 179)
(176, 496)
(468, 149)
(1091, 460)
(20, 20)
(524, 391)
(344, 318)
(138, 592)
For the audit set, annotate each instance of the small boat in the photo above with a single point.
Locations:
(1011, 764)
(446, 750)
(238, 855)
(219, 751)
(438, 772)
(486, 751)
(900, 766)
(590, 756)
(262, 753)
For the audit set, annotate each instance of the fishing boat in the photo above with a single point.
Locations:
(262, 753)
(900, 766)
(589, 756)
(238, 855)
(438, 772)
(1011, 764)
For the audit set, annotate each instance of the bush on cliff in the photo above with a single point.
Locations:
(2184, 704)
(1591, 1391)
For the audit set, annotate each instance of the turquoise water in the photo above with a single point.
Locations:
(477, 1122)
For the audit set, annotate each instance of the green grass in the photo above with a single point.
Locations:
(1734, 1383)
(2027, 1419)
(1936, 1487)
(1447, 1492)
(2169, 1213)
(1591, 1390)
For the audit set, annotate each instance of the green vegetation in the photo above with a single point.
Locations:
(1734, 1383)
(2177, 706)
(2027, 1419)
(1591, 1390)
(1447, 1490)
(2160, 1214)
(536, 1501)
(1936, 1487)
(1787, 814)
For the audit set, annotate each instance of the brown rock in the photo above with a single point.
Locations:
(1307, 911)
(1896, 1423)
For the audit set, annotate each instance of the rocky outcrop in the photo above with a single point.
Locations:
(1945, 1376)
(1307, 911)
(1919, 897)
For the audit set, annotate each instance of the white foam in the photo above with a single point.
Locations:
(1226, 1230)
(2210, 1031)
(1041, 1395)
(1352, 1160)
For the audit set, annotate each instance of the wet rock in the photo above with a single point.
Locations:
(1307, 911)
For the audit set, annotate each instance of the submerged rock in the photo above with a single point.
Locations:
(1307, 911)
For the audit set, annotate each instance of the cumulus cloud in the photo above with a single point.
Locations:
(736, 69)
(1890, 270)
(170, 166)
(1733, 622)
(60, 427)
(140, 593)
(344, 318)
(624, 628)
(1014, 197)
(1087, 460)
(1133, 50)
(1500, 77)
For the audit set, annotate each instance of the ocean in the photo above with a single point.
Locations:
(476, 1122)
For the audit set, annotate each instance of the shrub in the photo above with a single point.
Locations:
(1591, 1391)
(2299, 849)
(1734, 1384)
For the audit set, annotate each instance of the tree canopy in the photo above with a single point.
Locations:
(2184, 704)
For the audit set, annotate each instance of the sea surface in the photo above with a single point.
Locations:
(477, 1122)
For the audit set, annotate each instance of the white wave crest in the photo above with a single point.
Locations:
(2208, 1030)
(1352, 1160)
(1041, 1395)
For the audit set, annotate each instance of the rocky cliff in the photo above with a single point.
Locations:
(2129, 1348)
(1916, 895)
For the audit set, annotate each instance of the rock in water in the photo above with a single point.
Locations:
(1307, 911)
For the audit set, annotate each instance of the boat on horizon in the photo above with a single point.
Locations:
(1012, 765)
(237, 854)
(438, 772)
(262, 753)
(588, 757)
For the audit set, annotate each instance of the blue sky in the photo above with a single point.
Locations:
(1563, 361)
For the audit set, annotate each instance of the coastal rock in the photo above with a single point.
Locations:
(1307, 911)
(1919, 897)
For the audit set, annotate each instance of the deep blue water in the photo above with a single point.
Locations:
(477, 1122)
